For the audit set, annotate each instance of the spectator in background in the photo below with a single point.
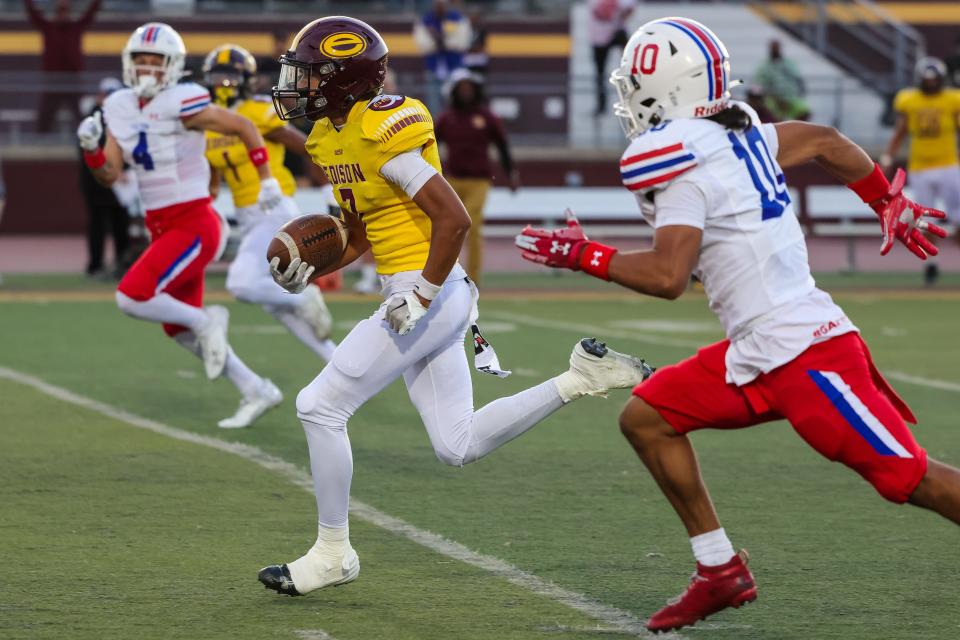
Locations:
(105, 214)
(758, 102)
(783, 85)
(62, 52)
(468, 128)
(477, 59)
(607, 27)
(953, 64)
(442, 35)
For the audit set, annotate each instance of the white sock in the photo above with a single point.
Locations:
(503, 420)
(163, 308)
(243, 378)
(303, 332)
(331, 465)
(713, 548)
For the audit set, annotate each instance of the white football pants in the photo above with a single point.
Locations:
(434, 367)
(249, 279)
(938, 188)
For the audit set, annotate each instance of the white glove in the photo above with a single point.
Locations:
(297, 276)
(90, 131)
(404, 310)
(270, 195)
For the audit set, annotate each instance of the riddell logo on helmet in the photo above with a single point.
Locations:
(701, 112)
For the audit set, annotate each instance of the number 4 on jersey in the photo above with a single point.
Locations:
(769, 180)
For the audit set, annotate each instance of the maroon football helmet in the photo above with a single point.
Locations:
(332, 63)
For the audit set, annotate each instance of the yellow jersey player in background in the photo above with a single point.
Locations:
(930, 114)
(229, 72)
(380, 154)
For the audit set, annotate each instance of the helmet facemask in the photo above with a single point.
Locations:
(147, 80)
(635, 116)
(299, 91)
(226, 87)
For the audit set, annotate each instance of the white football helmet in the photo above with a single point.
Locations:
(160, 39)
(671, 68)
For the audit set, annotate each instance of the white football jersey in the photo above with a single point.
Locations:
(168, 158)
(753, 257)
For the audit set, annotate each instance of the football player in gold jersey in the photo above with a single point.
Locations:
(229, 72)
(380, 154)
(930, 114)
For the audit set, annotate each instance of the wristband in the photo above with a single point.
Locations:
(595, 259)
(259, 156)
(94, 159)
(426, 290)
(873, 187)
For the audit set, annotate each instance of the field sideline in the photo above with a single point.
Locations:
(117, 531)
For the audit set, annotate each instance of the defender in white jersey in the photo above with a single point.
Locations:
(708, 178)
(157, 126)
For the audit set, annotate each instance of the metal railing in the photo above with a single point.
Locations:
(857, 35)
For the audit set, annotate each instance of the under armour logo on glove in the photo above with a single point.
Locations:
(556, 248)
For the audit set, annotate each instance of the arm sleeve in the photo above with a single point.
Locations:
(408, 170)
(682, 203)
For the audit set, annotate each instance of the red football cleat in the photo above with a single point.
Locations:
(712, 589)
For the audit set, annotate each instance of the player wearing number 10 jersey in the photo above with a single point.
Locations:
(707, 176)
(156, 125)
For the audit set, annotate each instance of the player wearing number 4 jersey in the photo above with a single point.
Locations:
(229, 72)
(707, 176)
(380, 153)
(156, 125)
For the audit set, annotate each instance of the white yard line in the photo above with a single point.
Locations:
(313, 634)
(932, 383)
(622, 620)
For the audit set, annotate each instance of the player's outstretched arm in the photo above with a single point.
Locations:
(295, 141)
(219, 120)
(663, 271)
(900, 218)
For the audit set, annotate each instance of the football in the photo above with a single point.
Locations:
(317, 239)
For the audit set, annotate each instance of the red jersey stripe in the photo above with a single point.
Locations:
(652, 154)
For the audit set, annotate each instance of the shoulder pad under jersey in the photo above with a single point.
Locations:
(657, 157)
(185, 99)
(397, 123)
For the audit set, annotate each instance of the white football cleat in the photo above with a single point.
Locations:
(319, 568)
(213, 341)
(313, 310)
(266, 398)
(595, 369)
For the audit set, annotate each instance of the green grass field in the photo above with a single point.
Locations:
(109, 531)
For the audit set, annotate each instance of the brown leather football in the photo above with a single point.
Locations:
(318, 239)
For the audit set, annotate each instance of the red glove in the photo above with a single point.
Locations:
(567, 248)
(900, 218)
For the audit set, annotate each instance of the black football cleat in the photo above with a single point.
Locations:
(277, 577)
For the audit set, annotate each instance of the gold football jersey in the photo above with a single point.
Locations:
(375, 131)
(229, 156)
(932, 123)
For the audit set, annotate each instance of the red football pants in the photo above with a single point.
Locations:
(832, 394)
(185, 238)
